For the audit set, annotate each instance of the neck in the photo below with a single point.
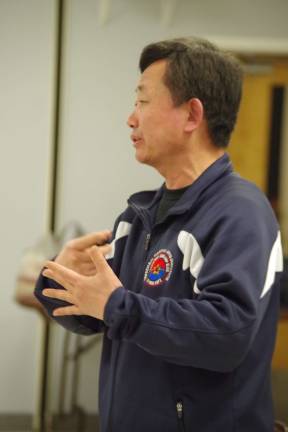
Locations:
(188, 168)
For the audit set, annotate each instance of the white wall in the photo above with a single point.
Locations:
(25, 115)
(98, 171)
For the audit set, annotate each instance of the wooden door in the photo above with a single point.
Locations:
(249, 148)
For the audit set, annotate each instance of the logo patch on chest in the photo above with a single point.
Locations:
(159, 268)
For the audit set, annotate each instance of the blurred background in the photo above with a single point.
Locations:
(68, 70)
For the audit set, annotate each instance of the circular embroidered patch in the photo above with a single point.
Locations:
(159, 268)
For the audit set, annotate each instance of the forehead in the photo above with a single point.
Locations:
(152, 77)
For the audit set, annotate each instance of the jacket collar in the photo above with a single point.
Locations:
(190, 197)
(146, 200)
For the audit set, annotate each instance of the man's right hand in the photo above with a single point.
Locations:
(75, 254)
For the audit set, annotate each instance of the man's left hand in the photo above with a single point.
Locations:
(87, 295)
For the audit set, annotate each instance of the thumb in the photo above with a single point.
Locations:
(97, 258)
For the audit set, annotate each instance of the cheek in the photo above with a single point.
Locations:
(148, 119)
(154, 119)
(160, 124)
(150, 125)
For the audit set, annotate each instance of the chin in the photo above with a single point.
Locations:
(141, 157)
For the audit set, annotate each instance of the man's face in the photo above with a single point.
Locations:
(157, 124)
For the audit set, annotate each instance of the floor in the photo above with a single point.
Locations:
(280, 394)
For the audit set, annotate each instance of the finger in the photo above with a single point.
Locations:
(64, 276)
(98, 259)
(104, 249)
(88, 240)
(58, 294)
(83, 256)
(57, 278)
(67, 310)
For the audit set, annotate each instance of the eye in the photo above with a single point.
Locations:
(140, 102)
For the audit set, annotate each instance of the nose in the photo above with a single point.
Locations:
(132, 120)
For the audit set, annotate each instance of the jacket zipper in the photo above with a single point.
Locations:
(147, 242)
(146, 225)
(179, 409)
(141, 214)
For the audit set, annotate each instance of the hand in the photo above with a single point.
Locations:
(75, 254)
(87, 295)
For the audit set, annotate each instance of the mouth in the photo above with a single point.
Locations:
(136, 140)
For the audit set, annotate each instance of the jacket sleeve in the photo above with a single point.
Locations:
(78, 324)
(215, 330)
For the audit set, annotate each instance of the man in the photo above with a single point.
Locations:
(187, 296)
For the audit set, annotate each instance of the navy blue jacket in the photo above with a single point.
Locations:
(188, 338)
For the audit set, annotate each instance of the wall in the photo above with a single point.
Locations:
(100, 74)
(26, 38)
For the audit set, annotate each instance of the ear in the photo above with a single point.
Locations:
(195, 114)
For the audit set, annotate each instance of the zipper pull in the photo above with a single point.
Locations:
(147, 242)
(179, 408)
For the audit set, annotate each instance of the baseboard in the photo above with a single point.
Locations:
(15, 422)
(78, 422)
